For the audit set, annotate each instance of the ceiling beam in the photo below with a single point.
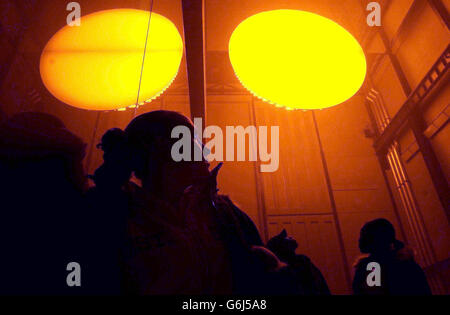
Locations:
(407, 22)
(194, 38)
(441, 10)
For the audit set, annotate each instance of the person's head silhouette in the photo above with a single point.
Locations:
(148, 143)
(378, 237)
(116, 169)
(34, 143)
(283, 245)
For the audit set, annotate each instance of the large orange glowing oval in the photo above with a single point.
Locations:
(297, 59)
(97, 65)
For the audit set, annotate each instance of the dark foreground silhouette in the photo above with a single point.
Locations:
(150, 225)
(40, 190)
(400, 274)
(177, 235)
(310, 280)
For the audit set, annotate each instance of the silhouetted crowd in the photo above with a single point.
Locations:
(151, 225)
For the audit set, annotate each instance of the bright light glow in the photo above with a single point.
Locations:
(297, 59)
(98, 64)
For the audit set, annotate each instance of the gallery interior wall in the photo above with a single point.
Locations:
(330, 180)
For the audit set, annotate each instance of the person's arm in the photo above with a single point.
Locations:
(420, 284)
(247, 226)
(319, 281)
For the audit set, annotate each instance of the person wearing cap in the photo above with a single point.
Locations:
(181, 236)
(390, 261)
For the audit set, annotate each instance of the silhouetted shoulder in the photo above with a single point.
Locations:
(409, 276)
(359, 284)
(312, 280)
(246, 224)
(399, 273)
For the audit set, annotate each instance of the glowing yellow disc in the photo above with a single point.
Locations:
(297, 59)
(97, 65)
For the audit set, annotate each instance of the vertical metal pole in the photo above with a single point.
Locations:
(194, 37)
(332, 202)
(383, 165)
(259, 181)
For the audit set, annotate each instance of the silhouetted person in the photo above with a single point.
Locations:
(181, 236)
(107, 215)
(279, 278)
(308, 276)
(399, 273)
(40, 191)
